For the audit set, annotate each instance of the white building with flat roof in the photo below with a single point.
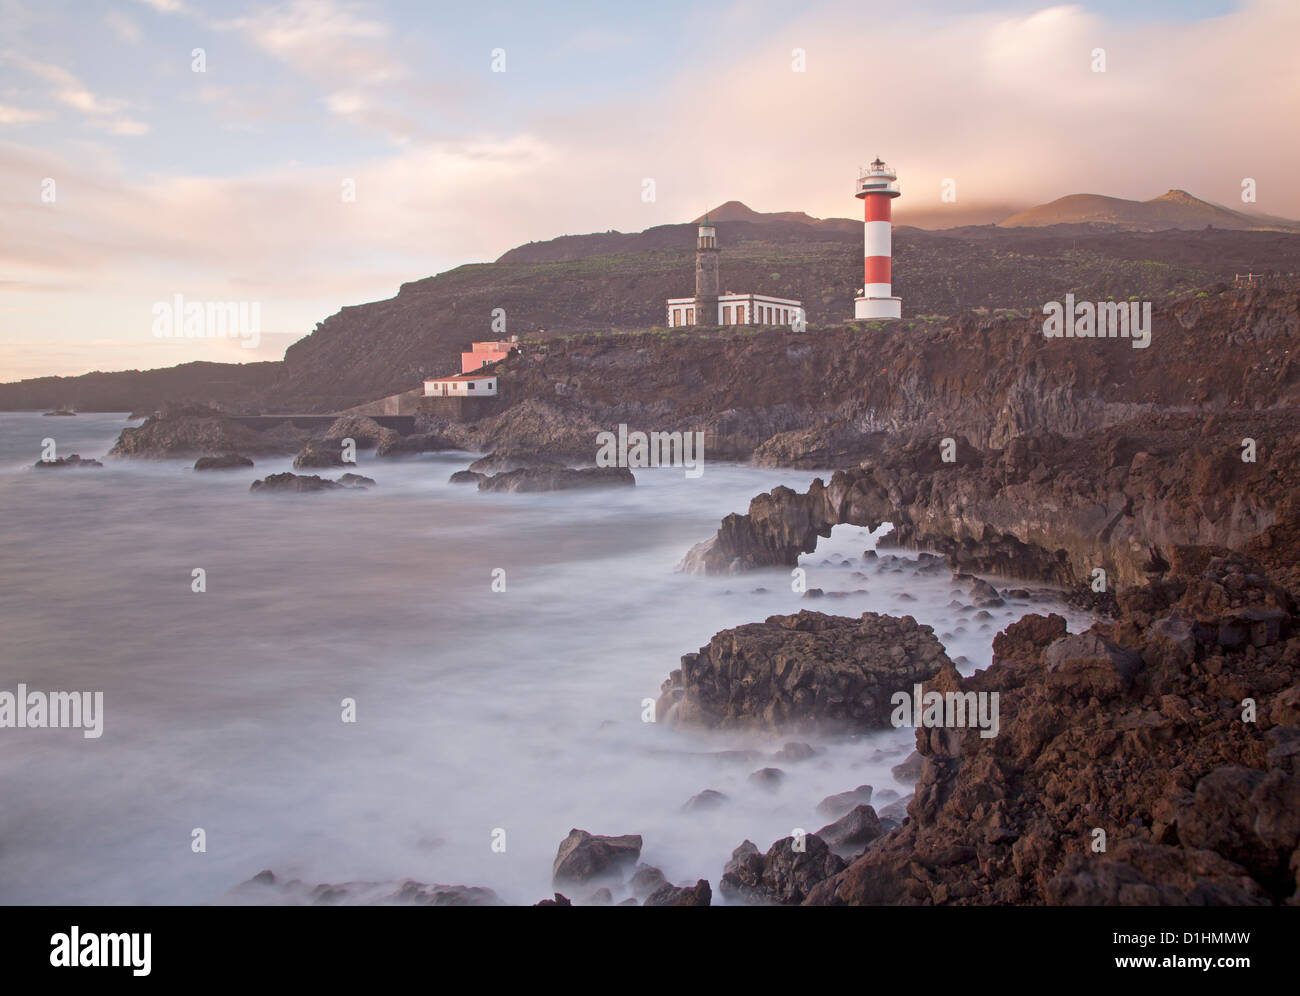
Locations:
(736, 309)
(466, 385)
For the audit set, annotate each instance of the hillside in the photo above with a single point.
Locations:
(1173, 209)
(232, 385)
(583, 284)
(815, 399)
(615, 281)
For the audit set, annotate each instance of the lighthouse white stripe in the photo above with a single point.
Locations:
(877, 241)
(876, 290)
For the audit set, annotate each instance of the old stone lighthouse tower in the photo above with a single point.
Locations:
(706, 274)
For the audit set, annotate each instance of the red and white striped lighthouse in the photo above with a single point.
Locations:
(877, 188)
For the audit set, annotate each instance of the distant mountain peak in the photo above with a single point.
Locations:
(1173, 209)
(738, 211)
(1177, 196)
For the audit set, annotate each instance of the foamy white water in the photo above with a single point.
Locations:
(477, 710)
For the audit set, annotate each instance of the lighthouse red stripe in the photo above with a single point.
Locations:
(878, 270)
(877, 207)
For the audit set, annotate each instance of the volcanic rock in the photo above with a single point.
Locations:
(807, 670)
(795, 751)
(852, 831)
(505, 460)
(583, 856)
(1043, 508)
(196, 430)
(784, 876)
(318, 453)
(768, 778)
(265, 888)
(530, 479)
(63, 463)
(302, 484)
(645, 880)
(708, 799)
(1199, 800)
(909, 769)
(356, 481)
(226, 461)
(671, 895)
(841, 803)
(364, 432)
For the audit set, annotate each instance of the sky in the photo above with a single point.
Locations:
(304, 155)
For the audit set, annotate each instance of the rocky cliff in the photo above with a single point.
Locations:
(1148, 762)
(1121, 500)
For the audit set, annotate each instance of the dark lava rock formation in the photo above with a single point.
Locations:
(301, 484)
(265, 888)
(64, 463)
(557, 479)
(784, 875)
(1047, 508)
(583, 856)
(227, 461)
(198, 430)
(319, 454)
(802, 671)
(1176, 735)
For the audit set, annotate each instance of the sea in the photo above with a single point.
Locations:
(416, 681)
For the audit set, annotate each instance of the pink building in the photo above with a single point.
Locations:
(483, 353)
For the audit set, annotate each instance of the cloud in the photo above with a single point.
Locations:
(323, 40)
(68, 90)
(1006, 104)
(17, 115)
(355, 59)
(123, 126)
(122, 26)
(165, 6)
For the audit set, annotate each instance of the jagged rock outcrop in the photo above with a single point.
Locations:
(198, 430)
(529, 479)
(853, 831)
(365, 434)
(1117, 501)
(505, 460)
(783, 876)
(841, 802)
(65, 463)
(416, 442)
(266, 888)
(1185, 757)
(540, 428)
(303, 484)
(225, 461)
(667, 894)
(318, 454)
(802, 671)
(583, 856)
